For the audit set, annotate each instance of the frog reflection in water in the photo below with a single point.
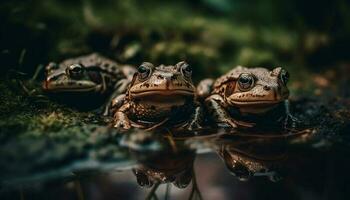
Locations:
(244, 96)
(82, 76)
(159, 96)
(166, 168)
(160, 158)
(254, 157)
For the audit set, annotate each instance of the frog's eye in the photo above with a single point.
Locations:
(245, 81)
(75, 71)
(186, 70)
(144, 71)
(284, 76)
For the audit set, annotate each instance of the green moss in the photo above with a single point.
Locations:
(50, 138)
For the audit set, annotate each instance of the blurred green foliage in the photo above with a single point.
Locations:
(213, 35)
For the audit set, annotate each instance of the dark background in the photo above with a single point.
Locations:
(309, 38)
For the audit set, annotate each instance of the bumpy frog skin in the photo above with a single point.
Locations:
(157, 96)
(90, 74)
(244, 92)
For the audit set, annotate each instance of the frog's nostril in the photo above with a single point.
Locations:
(267, 88)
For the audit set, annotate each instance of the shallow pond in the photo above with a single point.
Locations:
(216, 164)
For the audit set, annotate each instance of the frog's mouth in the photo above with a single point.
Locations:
(256, 103)
(265, 100)
(256, 107)
(72, 86)
(163, 93)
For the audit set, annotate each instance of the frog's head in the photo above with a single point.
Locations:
(72, 78)
(256, 88)
(162, 81)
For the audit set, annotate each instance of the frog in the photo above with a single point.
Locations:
(169, 169)
(244, 97)
(159, 97)
(253, 157)
(160, 159)
(85, 77)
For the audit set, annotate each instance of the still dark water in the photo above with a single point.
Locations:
(289, 165)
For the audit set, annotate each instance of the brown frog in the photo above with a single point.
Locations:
(88, 76)
(253, 157)
(159, 96)
(160, 159)
(244, 96)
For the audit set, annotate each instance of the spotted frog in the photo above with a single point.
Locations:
(162, 96)
(245, 97)
(82, 76)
